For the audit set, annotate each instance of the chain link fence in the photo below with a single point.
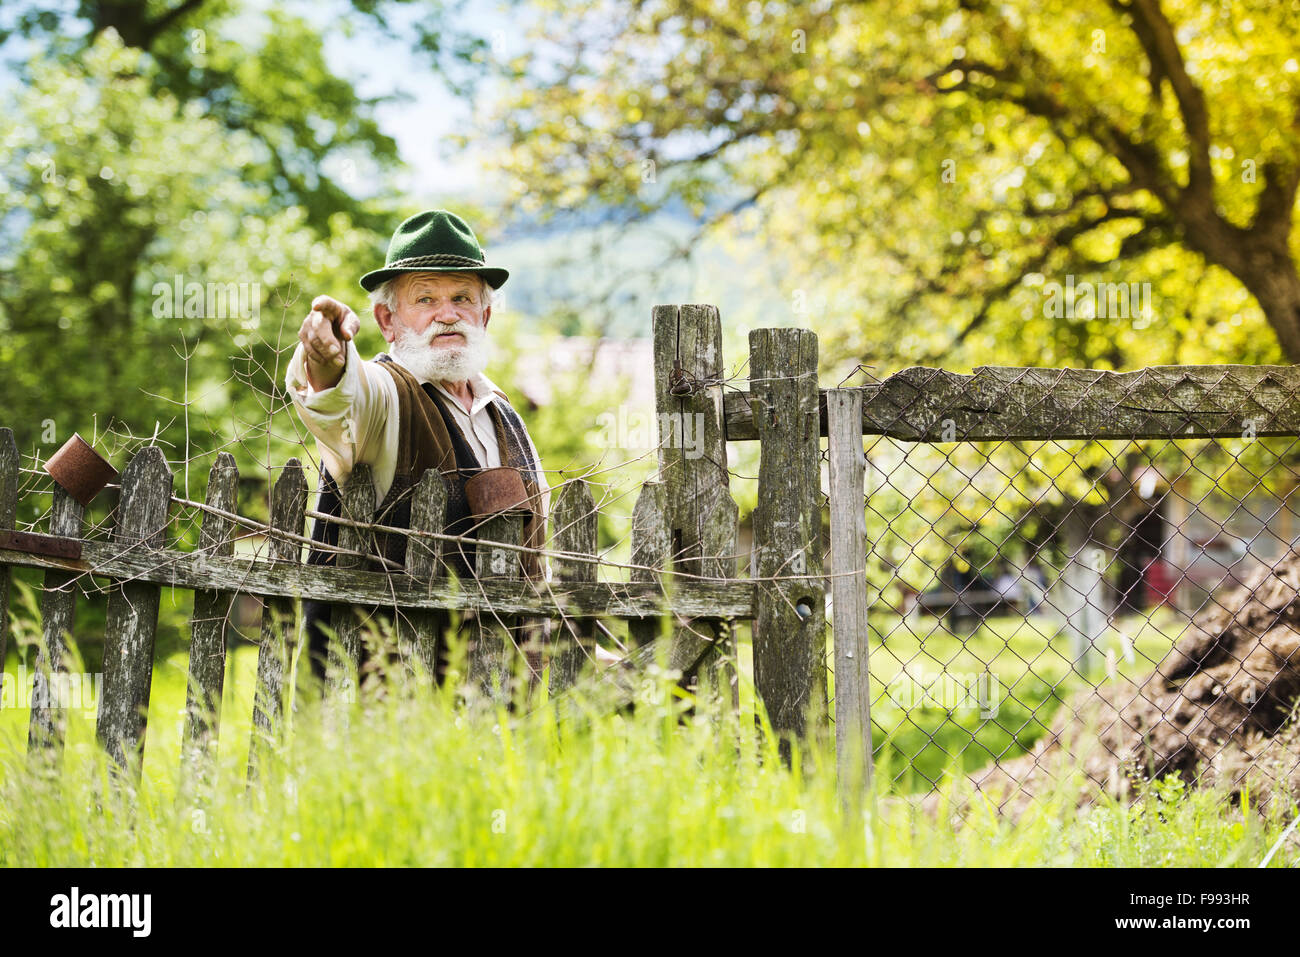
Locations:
(1079, 571)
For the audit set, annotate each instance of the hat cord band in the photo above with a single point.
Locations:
(437, 259)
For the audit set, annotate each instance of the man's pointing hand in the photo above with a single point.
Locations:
(324, 336)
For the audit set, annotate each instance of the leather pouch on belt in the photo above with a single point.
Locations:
(496, 490)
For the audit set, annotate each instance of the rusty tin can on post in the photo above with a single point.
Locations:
(495, 490)
(80, 470)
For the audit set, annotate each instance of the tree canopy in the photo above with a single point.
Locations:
(121, 196)
(929, 173)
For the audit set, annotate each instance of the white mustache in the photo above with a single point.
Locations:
(416, 351)
(470, 333)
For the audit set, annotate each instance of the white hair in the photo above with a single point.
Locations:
(386, 292)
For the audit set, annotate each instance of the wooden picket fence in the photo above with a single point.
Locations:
(684, 595)
(681, 601)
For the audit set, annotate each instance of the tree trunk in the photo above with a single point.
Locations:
(1260, 257)
(1272, 278)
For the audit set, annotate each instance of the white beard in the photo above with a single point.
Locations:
(452, 363)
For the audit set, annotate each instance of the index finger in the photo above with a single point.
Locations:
(330, 308)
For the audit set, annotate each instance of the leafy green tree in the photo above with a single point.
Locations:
(928, 177)
(923, 171)
(276, 87)
(120, 195)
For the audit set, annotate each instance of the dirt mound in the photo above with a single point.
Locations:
(1219, 709)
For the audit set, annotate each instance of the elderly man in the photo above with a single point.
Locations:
(425, 404)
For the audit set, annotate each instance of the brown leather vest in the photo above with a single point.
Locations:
(429, 437)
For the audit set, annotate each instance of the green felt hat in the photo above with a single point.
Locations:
(434, 241)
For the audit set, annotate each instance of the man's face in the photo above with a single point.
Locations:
(447, 299)
(438, 328)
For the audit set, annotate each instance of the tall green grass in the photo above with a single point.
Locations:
(413, 777)
(1028, 658)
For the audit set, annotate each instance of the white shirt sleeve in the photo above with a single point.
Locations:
(354, 422)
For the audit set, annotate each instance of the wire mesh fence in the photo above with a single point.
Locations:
(1123, 604)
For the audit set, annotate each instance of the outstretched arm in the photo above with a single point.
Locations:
(346, 403)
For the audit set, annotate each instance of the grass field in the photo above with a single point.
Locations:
(414, 779)
(1014, 672)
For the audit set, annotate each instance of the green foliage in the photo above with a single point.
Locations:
(920, 172)
(1170, 822)
(653, 788)
(262, 73)
(110, 220)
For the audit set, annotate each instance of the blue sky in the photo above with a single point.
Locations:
(420, 125)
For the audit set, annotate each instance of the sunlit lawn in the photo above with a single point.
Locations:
(416, 779)
(970, 718)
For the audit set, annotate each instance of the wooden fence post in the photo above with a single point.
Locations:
(8, 516)
(358, 502)
(702, 515)
(651, 546)
(132, 620)
(207, 669)
(720, 667)
(419, 631)
(58, 606)
(849, 591)
(790, 620)
(490, 658)
(573, 529)
(288, 513)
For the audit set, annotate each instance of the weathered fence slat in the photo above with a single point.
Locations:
(718, 560)
(789, 630)
(651, 546)
(702, 516)
(8, 515)
(207, 669)
(997, 403)
(288, 513)
(492, 643)
(132, 619)
(419, 630)
(345, 620)
(573, 524)
(48, 722)
(687, 597)
(849, 592)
